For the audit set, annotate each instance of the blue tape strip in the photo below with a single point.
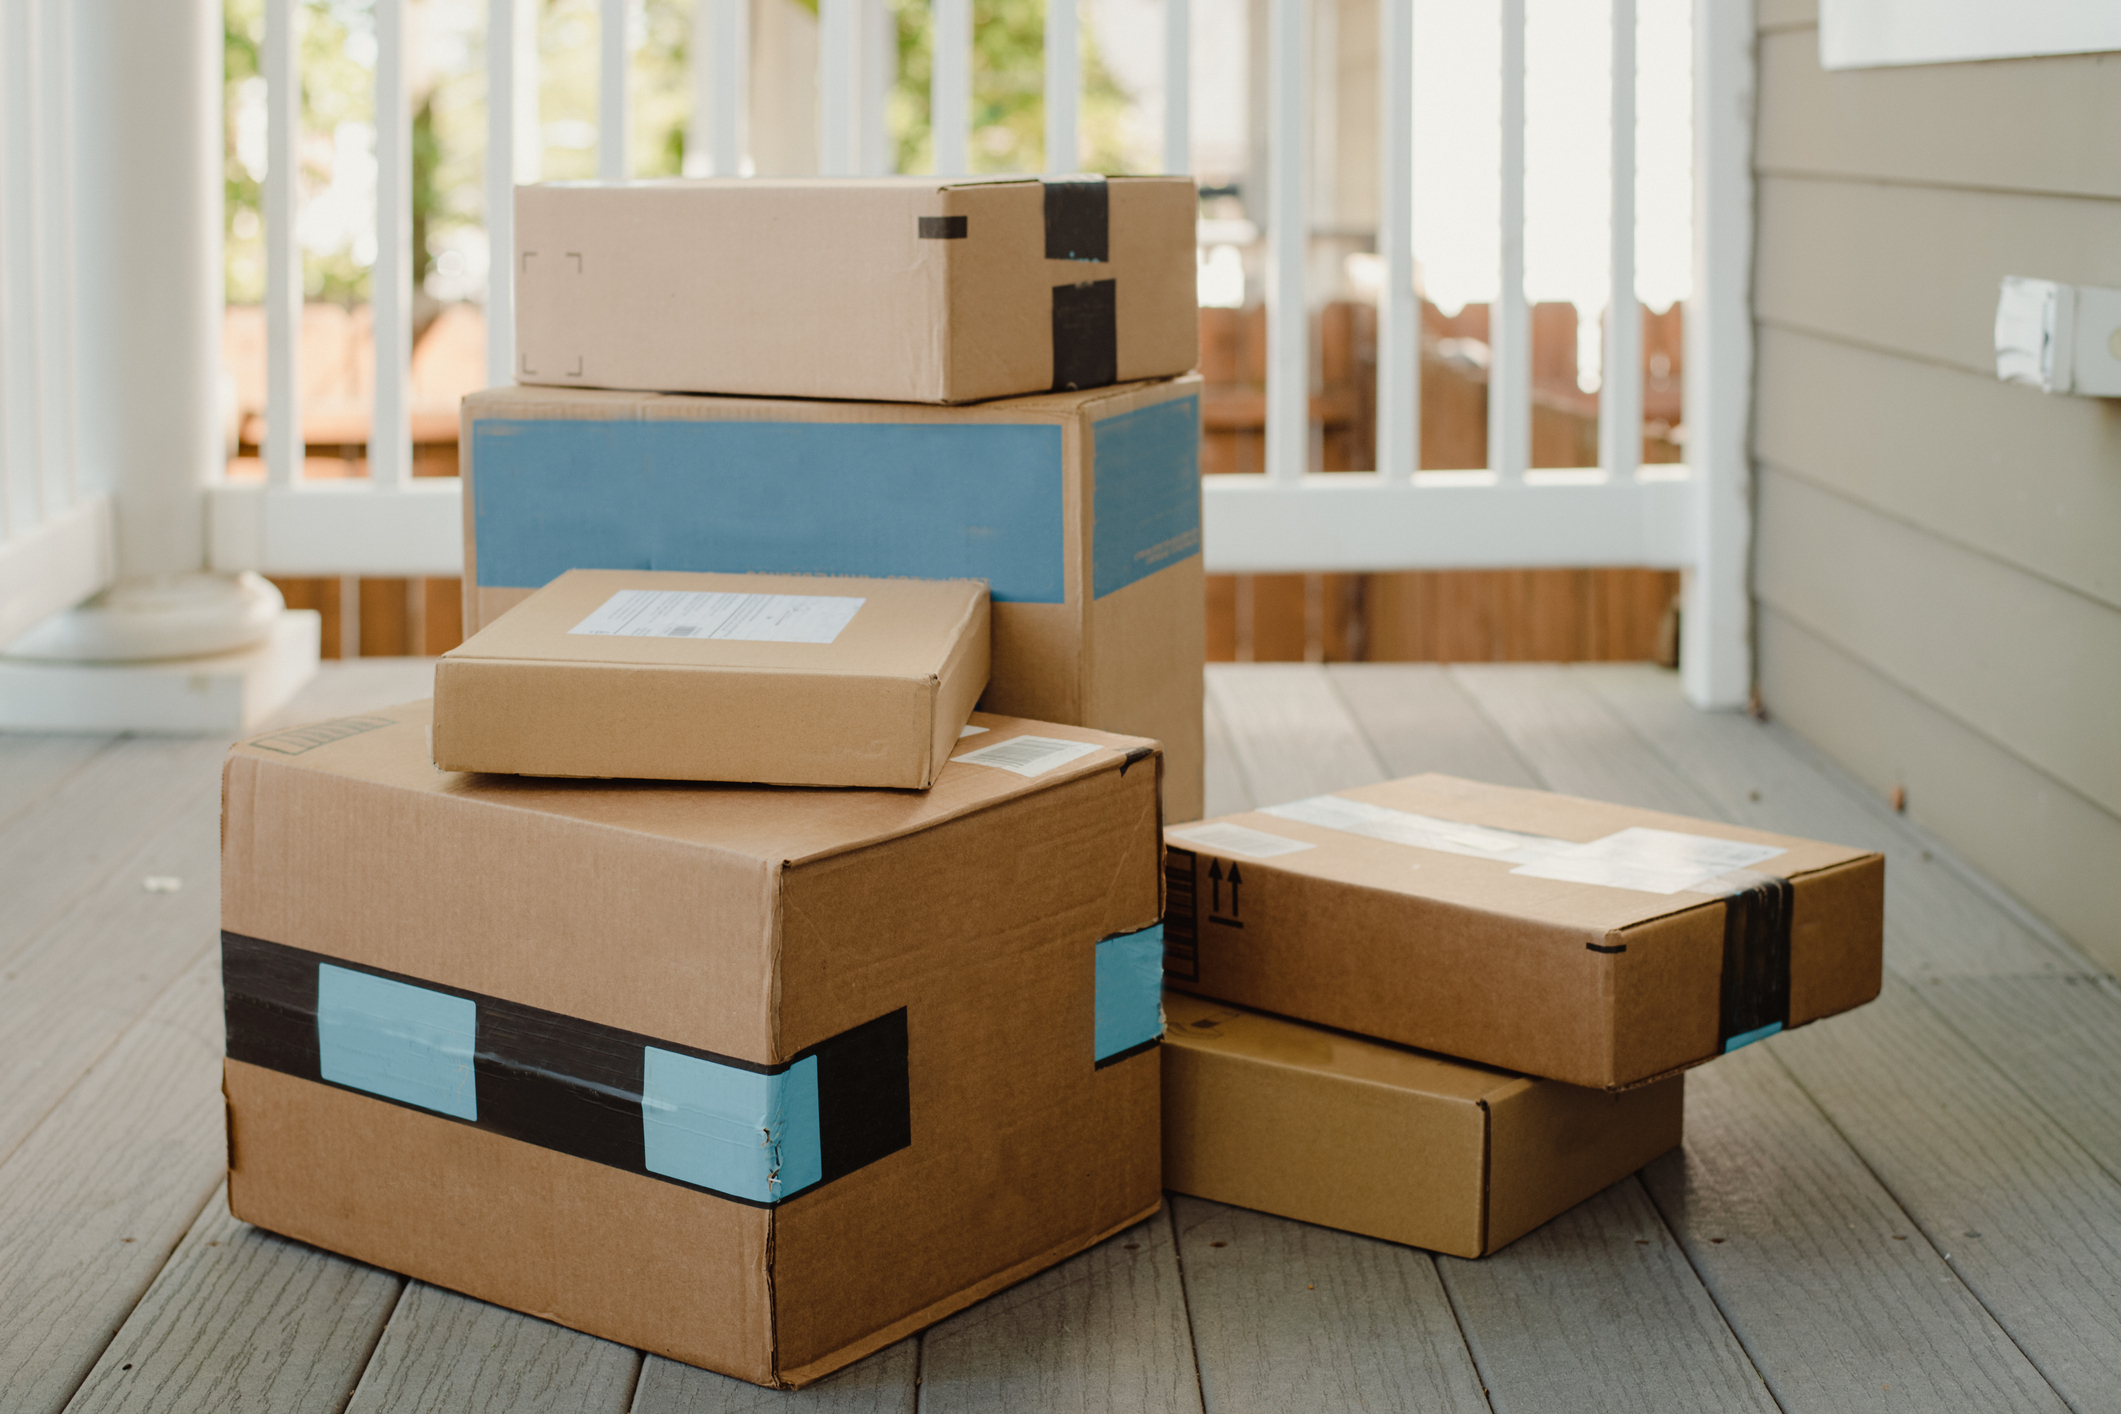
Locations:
(396, 1040)
(735, 1131)
(1760, 1033)
(1130, 991)
(922, 501)
(1147, 497)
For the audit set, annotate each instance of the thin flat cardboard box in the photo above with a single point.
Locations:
(896, 289)
(1570, 939)
(1081, 512)
(1354, 1134)
(784, 679)
(759, 1079)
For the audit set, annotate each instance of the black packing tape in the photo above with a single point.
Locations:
(1756, 957)
(1078, 219)
(1085, 335)
(563, 1083)
(943, 228)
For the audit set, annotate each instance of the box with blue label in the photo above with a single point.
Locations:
(762, 1079)
(1575, 940)
(1080, 512)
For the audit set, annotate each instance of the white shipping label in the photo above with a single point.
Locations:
(744, 618)
(1650, 861)
(1357, 817)
(1236, 839)
(1028, 755)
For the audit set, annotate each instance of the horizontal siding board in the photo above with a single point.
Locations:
(2027, 478)
(1915, 270)
(2032, 666)
(2048, 845)
(2033, 125)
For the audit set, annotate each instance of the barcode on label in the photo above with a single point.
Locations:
(1028, 755)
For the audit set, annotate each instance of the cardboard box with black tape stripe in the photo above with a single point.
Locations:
(1081, 513)
(1389, 1142)
(1570, 939)
(906, 289)
(760, 1079)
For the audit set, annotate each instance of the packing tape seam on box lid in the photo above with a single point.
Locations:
(1754, 992)
(753, 1134)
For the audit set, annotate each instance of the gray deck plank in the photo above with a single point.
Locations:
(32, 767)
(1291, 1316)
(1813, 1261)
(243, 1320)
(2057, 1038)
(92, 823)
(1938, 924)
(1289, 731)
(2024, 1214)
(95, 1200)
(1417, 718)
(69, 992)
(1548, 1334)
(442, 1353)
(1106, 1330)
(881, 1384)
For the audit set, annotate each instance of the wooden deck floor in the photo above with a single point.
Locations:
(1915, 1206)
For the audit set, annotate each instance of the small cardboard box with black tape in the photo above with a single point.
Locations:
(1389, 1142)
(1081, 513)
(785, 679)
(761, 1079)
(901, 289)
(1564, 938)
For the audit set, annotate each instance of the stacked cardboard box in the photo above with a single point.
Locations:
(1483, 999)
(701, 969)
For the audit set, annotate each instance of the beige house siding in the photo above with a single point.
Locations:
(1938, 555)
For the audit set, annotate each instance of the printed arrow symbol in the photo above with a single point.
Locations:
(1215, 876)
(1235, 879)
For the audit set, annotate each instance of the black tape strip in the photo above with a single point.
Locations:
(1607, 947)
(1756, 956)
(1078, 219)
(563, 1083)
(1132, 1051)
(942, 228)
(1085, 335)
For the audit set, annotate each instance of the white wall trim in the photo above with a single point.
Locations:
(340, 527)
(1857, 34)
(55, 566)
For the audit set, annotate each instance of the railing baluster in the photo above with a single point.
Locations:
(879, 72)
(1398, 311)
(613, 61)
(61, 449)
(1063, 86)
(1620, 389)
(1178, 86)
(390, 282)
(1510, 318)
(21, 395)
(838, 60)
(730, 58)
(511, 36)
(950, 85)
(283, 250)
(1288, 314)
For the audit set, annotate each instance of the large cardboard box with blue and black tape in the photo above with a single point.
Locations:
(900, 289)
(1080, 511)
(758, 1078)
(1570, 939)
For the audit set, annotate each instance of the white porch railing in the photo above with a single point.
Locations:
(1398, 517)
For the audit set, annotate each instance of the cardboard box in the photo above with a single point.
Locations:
(1351, 1133)
(719, 677)
(758, 1079)
(1565, 938)
(1081, 512)
(895, 289)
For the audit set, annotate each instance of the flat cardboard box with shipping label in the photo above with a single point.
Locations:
(756, 1078)
(895, 289)
(785, 679)
(1351, 1133)
(1571, 939)
(1080, 512)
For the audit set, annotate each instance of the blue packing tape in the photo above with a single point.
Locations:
(396, 1040)
(740, 1132)
(1130, 993)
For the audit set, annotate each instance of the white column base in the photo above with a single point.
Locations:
(225, 694)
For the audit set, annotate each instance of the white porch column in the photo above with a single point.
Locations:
(148, 179)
